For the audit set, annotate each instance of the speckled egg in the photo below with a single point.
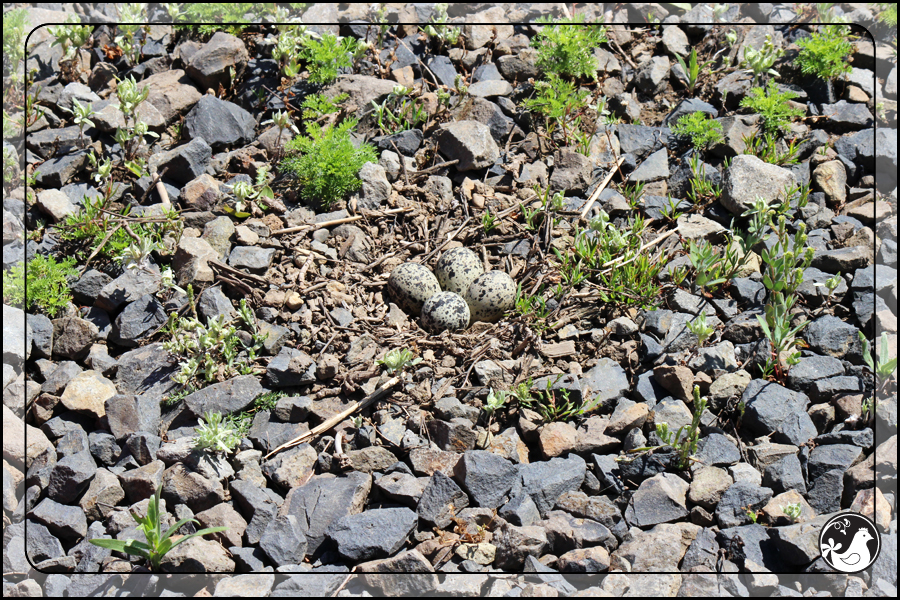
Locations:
(410, 285)
(457, 269)
(491, 295)
(445, 310)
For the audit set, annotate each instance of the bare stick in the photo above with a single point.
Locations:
(600, 188)
(640, 250)
(315, 431)
(300, 228)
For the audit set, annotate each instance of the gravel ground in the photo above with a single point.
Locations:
(341, 464)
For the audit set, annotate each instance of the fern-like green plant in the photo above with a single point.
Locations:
(772, 106)
(824, 54)
(47, 288)
(702, 129)
(158, 543)
(326, 163)
(327, 55)
(567, 47)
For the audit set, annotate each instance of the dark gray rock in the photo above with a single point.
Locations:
(256, 506)
(65, 522)
(520, 511)
(486, 476)
(812, 368)
(654, 168)
(139, 319)
(40, 544)
(72, 337)
(57, 171)
(737, 499)
(283, 541)
(185, 162)
(439, 495)
(784, 475)
(104, 448)
(41, 335)
(825, 390)
(703, 552)
(659, 499)
(213, 303)
(773, 408)
(229, 396)
(750, 542)
(252, 258)
(826, 491)
(651, 78)
(844, 116)
(832, 456)
(147, 372)
(376, 533)
(546, 481)
(829, 335)
(211, 65)
(324, 500)
(128, 287)
(219, 123)
(470, 142)
(605, 383)
(60, 377)
(141, 483)
(291, 367)
(71, 476)
(717, 450)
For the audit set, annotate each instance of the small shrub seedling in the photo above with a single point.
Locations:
(772, 106)
(326, 163)
(792, 511)
(566, 48)
(216, 433)
(702, 129)
(760, 61)
(158, 544)
(47, 288)
(397, 359)
(825, 52)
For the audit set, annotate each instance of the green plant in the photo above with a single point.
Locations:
(825, 52)
(700, 328)
(326, 163)
(397, 359)
(765, 148)
(702, 189)
(702, 129)
(753, 515)
(41, 284)
(633, 193)
(158, 544)
(82, 117)
(212, 350)
(496, 399)
(438, 28)
(613, 258)
(131, 137)
(246, 192)
(566, 47)
(71, 37)
(888, 14)
(830, 284)
(773, 107)
(561, 103)
(792, 511)
(883, 368)
(761, 61)
(488, 221)
(555, 405)
(15, 23)
(318, 105)
(131, 22)
(95, 229)
(326, 56)
(399, 111)
(282, 120)
(216, 433)
(686, 445)
(692, 69)
(684, 441)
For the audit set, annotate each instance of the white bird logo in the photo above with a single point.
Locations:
(852, 558)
